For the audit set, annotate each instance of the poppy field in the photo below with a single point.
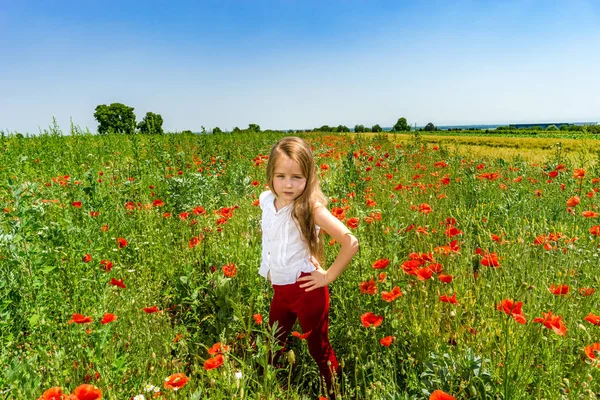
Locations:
(129, 270)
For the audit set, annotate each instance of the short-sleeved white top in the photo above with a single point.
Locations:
(284, 252)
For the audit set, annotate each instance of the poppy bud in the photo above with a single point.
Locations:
(291, 357)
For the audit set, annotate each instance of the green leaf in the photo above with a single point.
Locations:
(33, 320)
(48, 268)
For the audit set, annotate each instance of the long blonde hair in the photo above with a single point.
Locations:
(302, 211)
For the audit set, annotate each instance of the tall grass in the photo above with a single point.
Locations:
(175, 254)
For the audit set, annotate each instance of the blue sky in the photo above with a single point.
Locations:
(299, 64)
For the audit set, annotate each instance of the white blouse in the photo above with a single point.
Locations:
(284, 252)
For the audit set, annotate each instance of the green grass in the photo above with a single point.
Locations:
(470, 350)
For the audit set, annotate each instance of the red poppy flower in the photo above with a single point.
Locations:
(589, 214)
(451, 248)
(593, 319)
(587, 291)
(424, 273)
(445, 278)
(425, 208)
(391, 295)
(218, 348)
(106, 265)
(452, 231)
(195, 241)
(381, 264)
(368, 287)
(258, 319)
(371, 203)
(324, 167)
(595, 230)
(496, 238)
(558, 289)
(445, 299)
(87, 392)
(488, 259)
(150, 310)
(87, 258)
(80, 319)
(553, 322)
(121, 242)
(579, 173)
(176, 381)
(301, 336)
(369, 319)
(104, 228)
(54, 393)
(387, 341)
(573, 201)
(158, 203)
(339, 213)
(214, 362)
(352, 223)
(117, 282)
(436, 268)
(76, 204)
(513, 309)
(229, 270)
(108, 318)
(94, 214)
(592, 351)
(439, 395)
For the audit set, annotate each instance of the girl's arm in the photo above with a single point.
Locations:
(349, 246)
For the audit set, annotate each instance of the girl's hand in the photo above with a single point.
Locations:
(317, 279)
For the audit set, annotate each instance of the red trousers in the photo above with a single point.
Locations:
(312, 310)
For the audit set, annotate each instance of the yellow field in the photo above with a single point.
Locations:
(535, 150)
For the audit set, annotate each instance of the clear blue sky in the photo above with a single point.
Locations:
(299, 64)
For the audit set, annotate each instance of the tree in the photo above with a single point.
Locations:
(359, 128)
(401, 125)
(217, 130)
(236, 130)
(429, 127)
(376, 128)
(342, 128)
(254, 128)
(551, 128)
(116, 118)
(187, 132)
(151, 124)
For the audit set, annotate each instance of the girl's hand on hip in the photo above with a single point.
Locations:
(317, 279)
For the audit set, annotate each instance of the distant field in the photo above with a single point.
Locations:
(583, 149)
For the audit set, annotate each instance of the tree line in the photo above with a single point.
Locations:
(120, 118)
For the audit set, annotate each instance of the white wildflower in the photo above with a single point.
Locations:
(150, 388)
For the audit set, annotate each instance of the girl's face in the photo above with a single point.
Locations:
(288, 180)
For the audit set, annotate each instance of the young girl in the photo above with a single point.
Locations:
(294, 215)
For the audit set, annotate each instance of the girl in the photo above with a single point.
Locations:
(294, 215)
